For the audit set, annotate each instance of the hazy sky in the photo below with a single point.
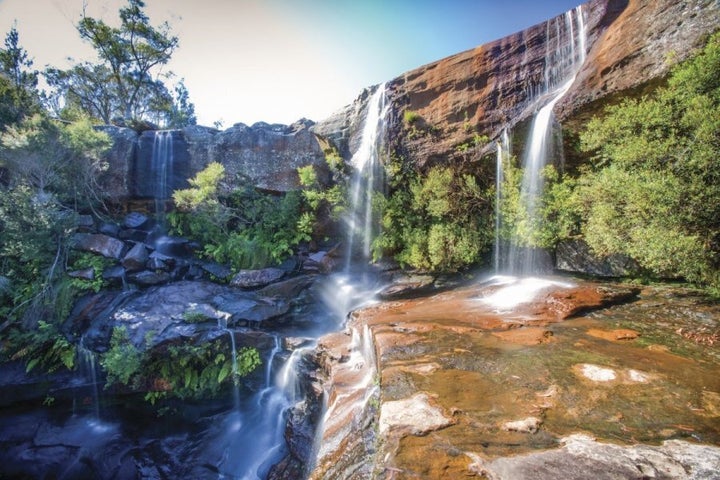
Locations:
(280, 60)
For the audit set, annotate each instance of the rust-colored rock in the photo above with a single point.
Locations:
(614, 335)
(480, 91)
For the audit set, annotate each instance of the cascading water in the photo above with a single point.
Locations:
(88, 367)
(161, 169)
(369, 177)
(502, 156)
(565, 53)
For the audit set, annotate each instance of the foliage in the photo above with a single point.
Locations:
(51, 167)
(45, 348)
(53, 156)
(197, 371)
(194, 316)
(652, 191)
(128, 82)
(246, 229)
(438, 222)
(18, 82)
(321, 200)
(180, 370)
(84, 260)
(122, 360)
(411, 116)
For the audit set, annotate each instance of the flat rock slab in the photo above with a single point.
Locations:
(582, 457)
(466, 379)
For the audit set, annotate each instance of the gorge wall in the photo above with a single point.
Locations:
(481, 91)
(263, 155)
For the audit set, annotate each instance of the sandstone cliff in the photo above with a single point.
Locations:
(630, 44)
(265, 156)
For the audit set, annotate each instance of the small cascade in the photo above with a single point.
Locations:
(161, 169)
(368, 177)
(223, 325)
(565, 54)
(88, 368)
(271, 360)
(262, 442)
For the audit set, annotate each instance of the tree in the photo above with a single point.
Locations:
(128, 83)
(15, 63)
(652, 191)
(18, 82)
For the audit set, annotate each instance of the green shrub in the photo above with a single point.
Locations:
(439, 222)
(123, 360)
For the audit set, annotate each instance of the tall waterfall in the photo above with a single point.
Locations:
(565, 52)
(368, 177)
(161, 169)
(502, 156)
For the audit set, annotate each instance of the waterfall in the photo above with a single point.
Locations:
(503, 153)
(88, 367)
(368, 176)
(564, 55)
(161, 169)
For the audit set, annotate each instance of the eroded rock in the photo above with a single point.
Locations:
(416, 415)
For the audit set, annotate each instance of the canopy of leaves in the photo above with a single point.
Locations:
(652, 190)
(128, 84)
(439, 222)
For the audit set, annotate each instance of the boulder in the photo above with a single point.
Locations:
(245, 308)
(109, 228)
(575, 256)
(84, 274)
(256, 278)
(135, 258)
(146, 277)
(288, 289)
(98, 243)
(116, 273)
(173, 246)
(84, 223)
(406, 286)
(135, 220)
(321, 261)
(218, 271)
(164, 312)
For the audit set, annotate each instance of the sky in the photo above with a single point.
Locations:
(281, 60)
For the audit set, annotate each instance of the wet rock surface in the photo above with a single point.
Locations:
(582, 380)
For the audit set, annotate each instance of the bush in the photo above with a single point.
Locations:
(439, 222)
(652, 191)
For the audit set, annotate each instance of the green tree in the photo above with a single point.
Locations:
(15, 63)
(437, 222)
(652, 190)
(128, 82)
(18, 82)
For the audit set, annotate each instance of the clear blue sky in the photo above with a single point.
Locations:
(280, 60)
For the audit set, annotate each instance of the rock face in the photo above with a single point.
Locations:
(265, 156)
(120, 159)
(483, 90)
(575, 256)
(622, 60)
(456, 395)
